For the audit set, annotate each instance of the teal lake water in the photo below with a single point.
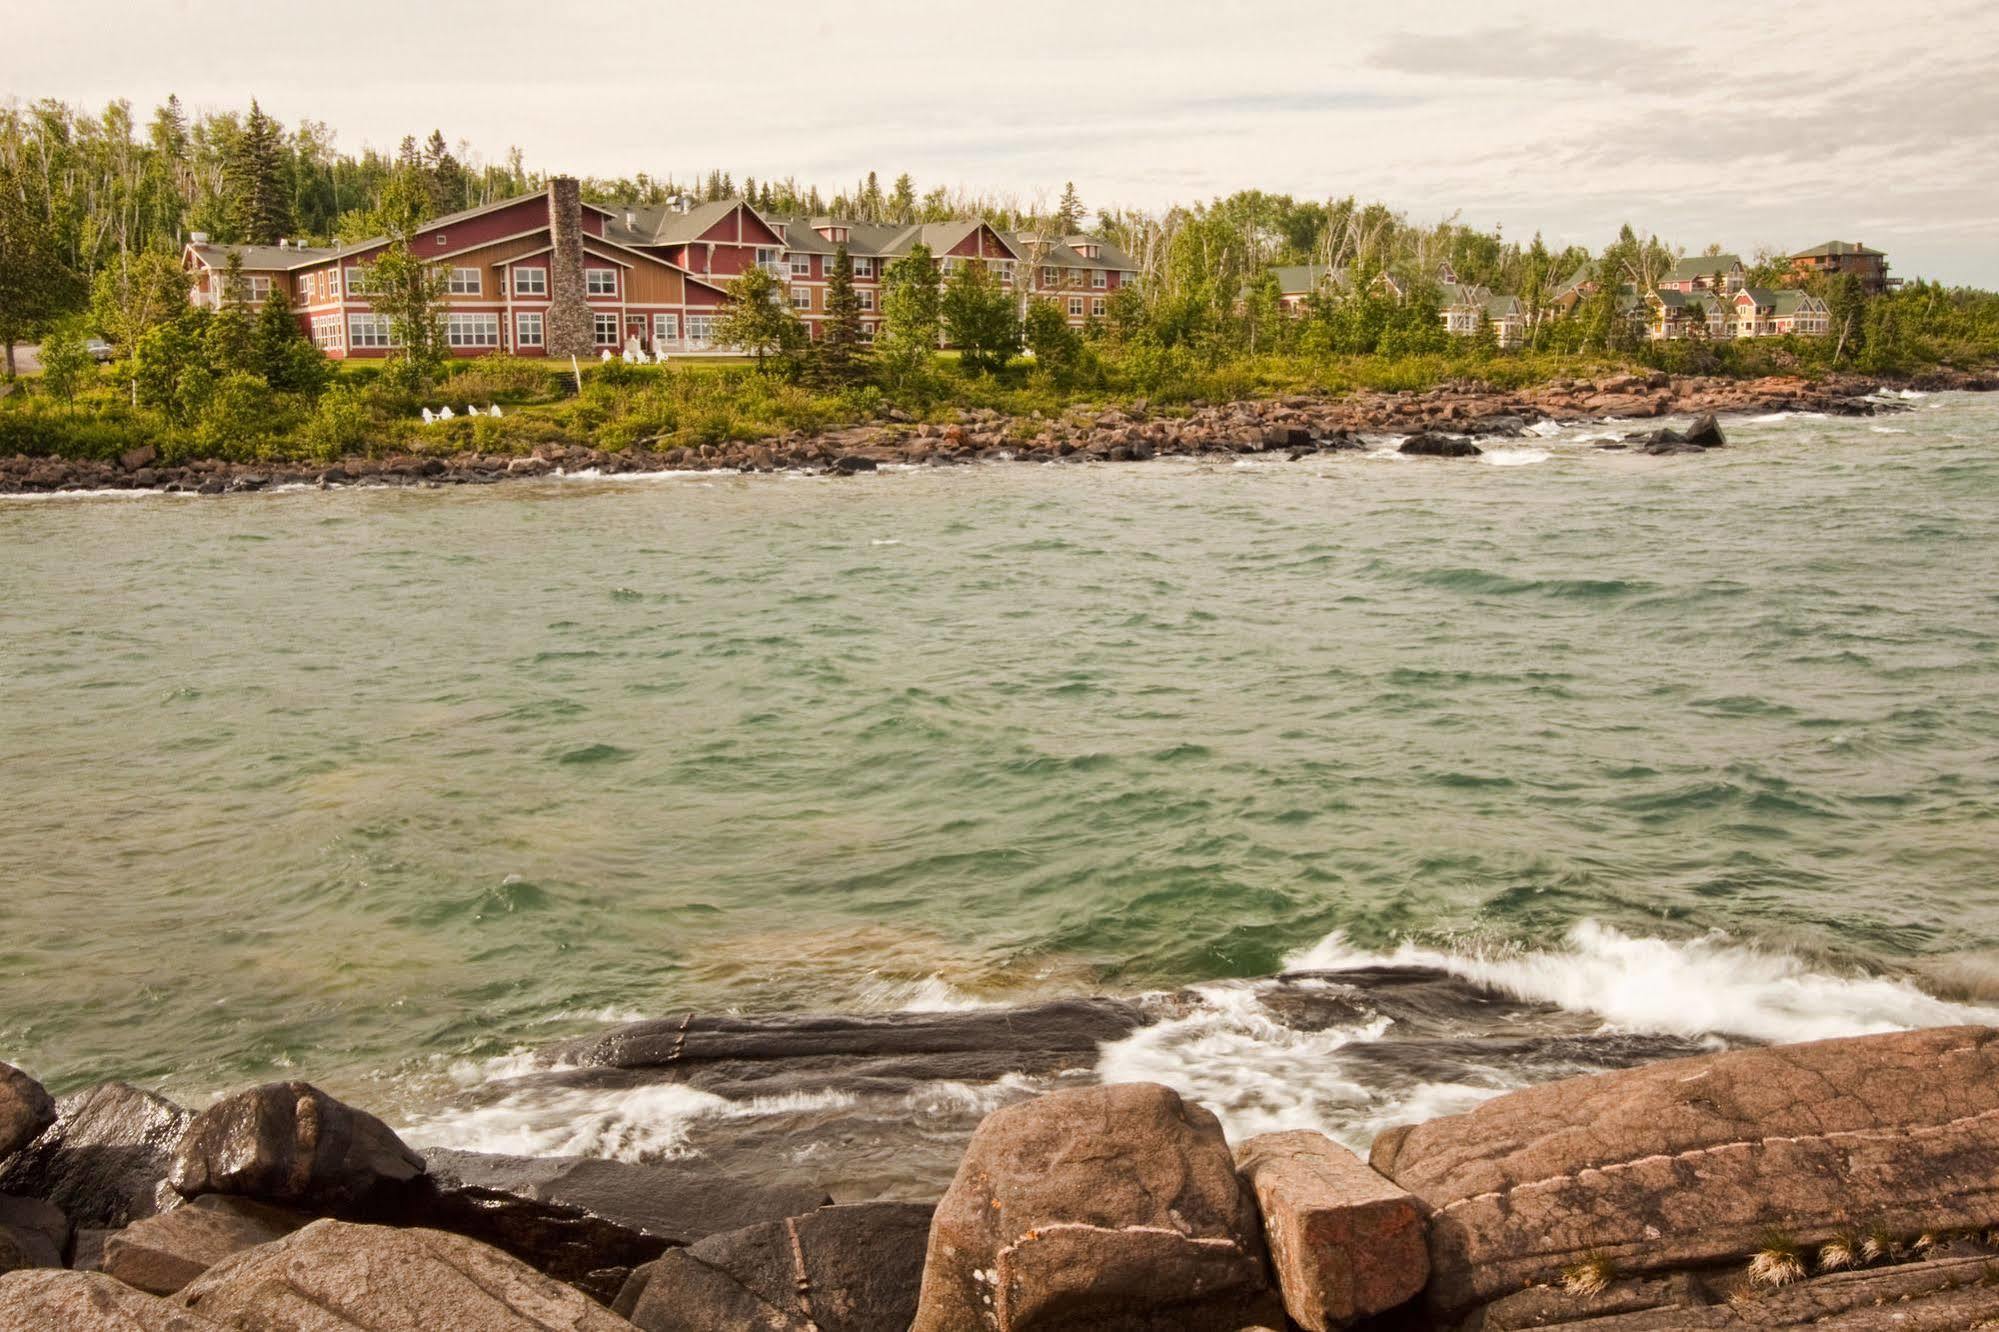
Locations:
(360, 785)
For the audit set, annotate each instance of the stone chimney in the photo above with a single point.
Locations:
(567, 327)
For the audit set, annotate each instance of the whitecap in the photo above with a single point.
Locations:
(931, 994)
(1514, 457)
(1710, 985)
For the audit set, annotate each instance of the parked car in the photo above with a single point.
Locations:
(99, 349)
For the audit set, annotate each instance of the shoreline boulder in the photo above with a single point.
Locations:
(1428, 444)
(1344, 1241)
(1112, 1208)
(1696, 1162)
(59, 1301)
(855, 1268)
(104, 1160)
(289, 1142)
(26, 1109)
(32, 1234)
(163, 1253)
(334, 1276)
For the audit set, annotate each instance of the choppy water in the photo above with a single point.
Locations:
(371, 786)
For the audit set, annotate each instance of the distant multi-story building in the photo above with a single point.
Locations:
(546, 274)
(1835, 258)
(1463, 307)
(1707, 272)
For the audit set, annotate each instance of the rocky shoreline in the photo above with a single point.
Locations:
(1445, 422)
(1848, 1183)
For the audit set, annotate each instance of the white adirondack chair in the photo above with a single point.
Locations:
(444, 413)
(494, 410)
(428, 419)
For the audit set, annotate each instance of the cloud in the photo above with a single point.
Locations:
(1524, 54)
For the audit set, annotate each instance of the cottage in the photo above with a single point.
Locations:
(1836, 258)
(1761, 313)
(1707, 272)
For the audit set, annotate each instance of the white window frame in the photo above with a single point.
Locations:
(528, 329)
(1100, 280)
(1075, 307)
(333, 284)
(537, 287)
(372, 331)
(478, 329)
(1048, 278)
(865, 297)
(867, 332)
(864, 266)
(327, 334)
(665, 328)
(460, 277)
(594, 283)
(601, 321)
(701, 328)
(801, 265)
(357, 282)
(1096, 307)
(801, 298)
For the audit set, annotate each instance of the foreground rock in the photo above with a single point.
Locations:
(88, 1302)
(839, 1269)
(590, 1222)
(1106, 1208)
(25, 1110)
(1696, 1162)
(1345, 1242)
(32, 1234)
(1439, 446)
(289, 1142)
(104, 1161)
(334, 1276)
(163, 1253)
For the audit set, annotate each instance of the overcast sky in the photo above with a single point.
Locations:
(1746, 123)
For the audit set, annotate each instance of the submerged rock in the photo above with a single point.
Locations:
(1344, 1241)
(1697, 1161)
(589, 1222)
(289, 1142)
(334, 1276)
(61, 1301)
(840, 1269)
(1706, 432)
(25, 1110)
(163, 1253)
(104, 1161)
(1429, 445)
(1106, 1208)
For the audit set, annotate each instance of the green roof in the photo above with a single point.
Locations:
(1834, 249)
(1703, 265)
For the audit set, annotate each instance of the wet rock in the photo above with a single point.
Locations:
(1706, 432)
(587, 1221)
(854, 462)
(32, 1234)
(61, 1301)
(1286, 437)
(841, 1269)
(1103, 1208)
(289, 1142)
(104, 1161)
(1695, 1161)
(1344, 1241)
(143, 456)
(334, 1276)
(163, 1253)
(1428, 445)
(25, 1110)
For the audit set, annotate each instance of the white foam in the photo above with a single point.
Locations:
(1779, 418)
(932, 994)
(1709, 985)
(1514, 457)
(1545, 429)
(648, 1123)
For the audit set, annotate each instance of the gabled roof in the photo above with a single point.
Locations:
(1697, 266)
(1834, 249)
(260, 258)
(1304, 279)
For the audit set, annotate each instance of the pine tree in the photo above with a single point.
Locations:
(902, 201)
(840, 349)
(35, 285)
(871, 199)
(1069, 213)
(256, 178)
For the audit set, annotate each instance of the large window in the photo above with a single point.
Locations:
(801, 265)
(530, 282)
(256, 287)
(1003, 270)
(700, 328)
(527, 329)
(865, 297)
(864, 267)
(326, 334)
(357, 282)
(801, 298)
(1100, 279)
(367, 330)
(606, 326)
(600, 281)
(1096, 307)
(1075, 305)
(666, 328)
(472, 330)
(465, 282)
